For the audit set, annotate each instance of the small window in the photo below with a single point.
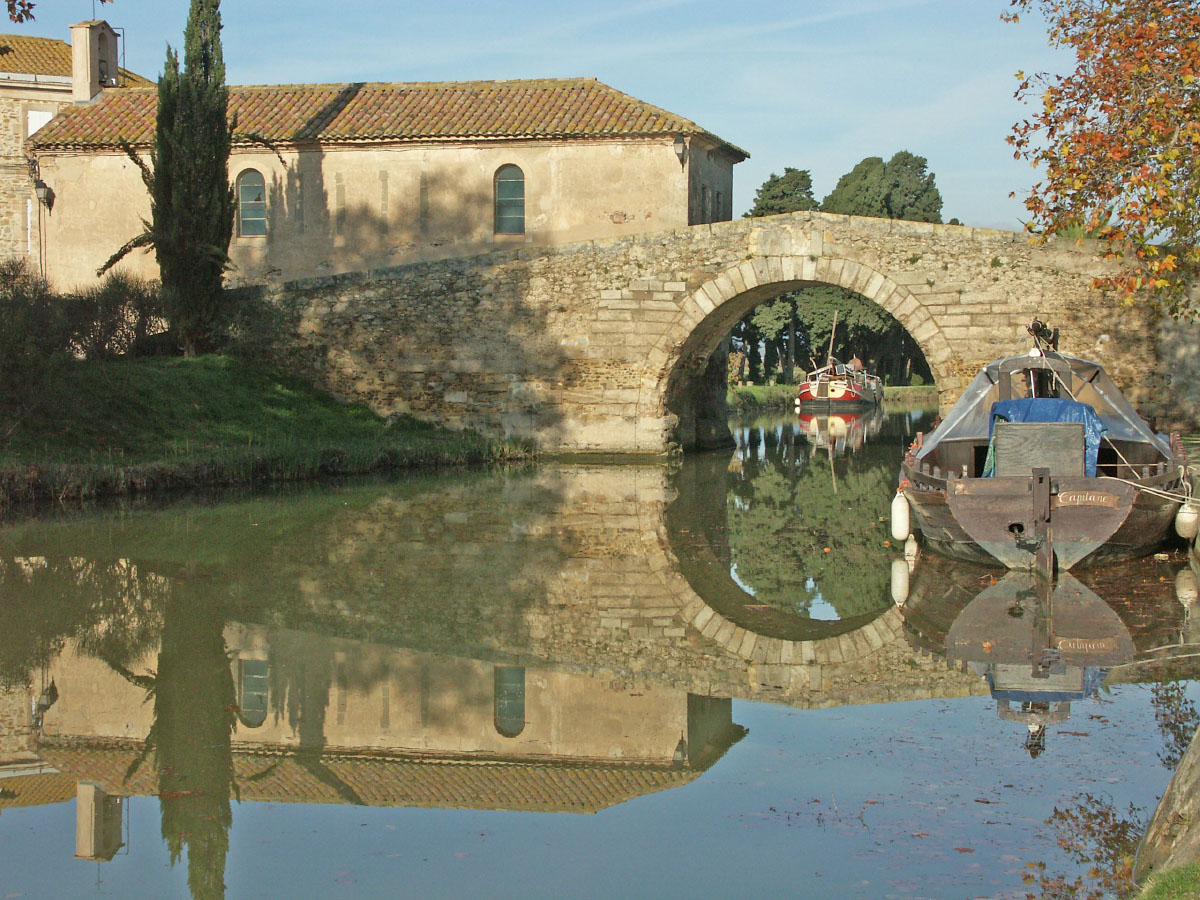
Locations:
(252, 204)
(252, 689)
(509, 700)
(510, 200)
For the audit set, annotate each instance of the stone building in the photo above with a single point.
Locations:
(350, 177)
(38, 78)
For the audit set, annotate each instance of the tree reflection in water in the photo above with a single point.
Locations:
(806, 525)
(1097, 836)
(190, 739)
(1177, 719)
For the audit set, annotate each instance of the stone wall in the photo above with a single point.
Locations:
(17, 102)
(14, 725)
(14, 181)
(1179, 354)
(1173, 837)
(602, 346)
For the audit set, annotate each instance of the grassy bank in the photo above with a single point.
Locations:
(748, 398)
(132, 426)
(1178, 884)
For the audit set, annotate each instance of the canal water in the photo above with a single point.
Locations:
(714, 679)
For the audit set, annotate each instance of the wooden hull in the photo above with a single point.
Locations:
(991, 520)
(836, 395)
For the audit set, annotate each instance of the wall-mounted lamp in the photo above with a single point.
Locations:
(43, 192)
(680, 148)
(681, 753)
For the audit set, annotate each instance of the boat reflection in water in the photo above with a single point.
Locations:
(1039, 645)
(840, 432)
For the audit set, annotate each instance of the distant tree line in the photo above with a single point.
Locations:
(777, 341)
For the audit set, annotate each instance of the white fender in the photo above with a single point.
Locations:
(911, 552)
(1187, 520)
(1187, 587)
(901, 521)
(899, 582)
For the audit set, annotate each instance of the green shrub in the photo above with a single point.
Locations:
(120, 316)
(916, 380)
(251, 325)
(35, 337)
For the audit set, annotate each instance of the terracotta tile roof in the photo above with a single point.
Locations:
(420, 111)
(36, 790)
(24, 55)
(391, 780)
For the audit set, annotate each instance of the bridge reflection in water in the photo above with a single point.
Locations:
(562, 640)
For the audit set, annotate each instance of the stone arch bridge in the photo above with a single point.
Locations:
(606, 345)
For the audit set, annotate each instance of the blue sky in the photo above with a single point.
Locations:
(812, 84)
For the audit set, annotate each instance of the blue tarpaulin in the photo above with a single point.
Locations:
(1050, 409)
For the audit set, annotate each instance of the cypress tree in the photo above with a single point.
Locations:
(191, 201)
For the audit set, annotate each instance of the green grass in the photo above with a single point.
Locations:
(751, 397)
(130, 426)
(1178, 884)
(906, 392)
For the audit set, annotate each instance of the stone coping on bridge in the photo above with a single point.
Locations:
(526, 253)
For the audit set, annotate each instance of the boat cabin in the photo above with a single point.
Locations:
(1056, 411)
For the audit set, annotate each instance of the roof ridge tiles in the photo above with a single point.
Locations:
(394, 111)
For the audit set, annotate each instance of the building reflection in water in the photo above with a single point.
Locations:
(563, 640)
(228, 709)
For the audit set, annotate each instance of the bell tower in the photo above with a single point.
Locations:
(94, 59)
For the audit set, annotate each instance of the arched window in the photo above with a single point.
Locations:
(510, 200)
(509, 700)
(252, 204)
(252, 692)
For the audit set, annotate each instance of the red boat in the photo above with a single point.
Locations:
(839, 386)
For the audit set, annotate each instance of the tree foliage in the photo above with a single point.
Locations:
(901, 188)
(790, 192)
(191, 201)
(1118, 139)
(779, 336)
(22, 10)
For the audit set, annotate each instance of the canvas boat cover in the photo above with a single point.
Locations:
(970, 419)
(1052, 409)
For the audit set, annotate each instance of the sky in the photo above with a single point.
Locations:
(810, 84)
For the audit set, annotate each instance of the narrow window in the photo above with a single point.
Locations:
(252, 204)
(383, 202)
(423, 205)
(509, 700)
(510, 200)
(339, 205)
(252, 686)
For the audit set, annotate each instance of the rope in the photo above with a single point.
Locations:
(1066, 387)
(1159, 492)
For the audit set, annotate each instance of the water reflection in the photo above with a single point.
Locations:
(791, 537)
(1041, 646)
(567, 640)
(844, 432)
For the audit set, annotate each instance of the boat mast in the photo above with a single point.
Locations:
(829, 355)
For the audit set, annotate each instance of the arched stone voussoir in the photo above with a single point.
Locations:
(758, 275)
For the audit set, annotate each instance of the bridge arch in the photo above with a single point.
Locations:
(675, 366)
(780, 656)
